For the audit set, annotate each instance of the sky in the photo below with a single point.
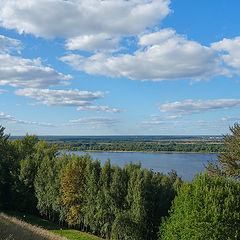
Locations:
(119, 67)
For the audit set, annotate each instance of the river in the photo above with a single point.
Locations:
(186, 164)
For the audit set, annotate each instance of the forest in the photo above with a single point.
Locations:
(209, 144)
(121, 203)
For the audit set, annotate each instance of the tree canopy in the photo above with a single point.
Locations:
(206, 208)
(228, 162)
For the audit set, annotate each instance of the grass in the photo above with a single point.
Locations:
(12, 228)
(75, 235)
(52, 228)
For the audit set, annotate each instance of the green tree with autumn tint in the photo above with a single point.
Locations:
(228, 162)
(72, 188)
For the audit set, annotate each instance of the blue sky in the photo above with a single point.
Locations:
(117, 67)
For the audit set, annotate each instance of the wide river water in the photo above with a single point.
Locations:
(186, 164)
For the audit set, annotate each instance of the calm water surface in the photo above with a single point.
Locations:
(186, 164)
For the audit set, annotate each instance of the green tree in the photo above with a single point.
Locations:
(8, 171)
(104, 214)
(228, 162)
(47, 187)
(91, 188)
(30, 154)
(206, 208)
(124, 228)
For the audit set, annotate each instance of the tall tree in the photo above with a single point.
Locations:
(72, 188)
(31, 153)
(105, 214)
(8, 170)
(47, 187)
(91, 188)
(228, 162)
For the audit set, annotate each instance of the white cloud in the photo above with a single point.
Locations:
(20, 72)
(158, 120)
(73, 97)
(92, 42)
(168, 56)
(2, 91)
(230, 49)
(9, 44)
(152, 122)
(95, 121)
(191, 106)
(60, 97)
(235, 119)
(12, 119)
(3, 116)
(71, 18)
(98, 108)
(156, 37)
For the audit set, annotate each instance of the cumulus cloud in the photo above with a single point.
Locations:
(12, 119)
(20, 72)
(230, 49)
(191, 106)
(95, 121)
(166, 56)
(73, 97)
(156, 37)
(74, 18)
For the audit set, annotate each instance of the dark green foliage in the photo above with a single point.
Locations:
(207, 208)
(228, 162)
(19, 163)
(47, 186)
(8, 170)
(124, 228)
(91, 187)
(30, 162)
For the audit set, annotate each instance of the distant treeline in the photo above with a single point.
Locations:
(208, 144)
(144, 147)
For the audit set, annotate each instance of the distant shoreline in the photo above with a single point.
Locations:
(166, 152)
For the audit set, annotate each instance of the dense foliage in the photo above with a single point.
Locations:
(206, 208)
(228, 162)
(109, 201)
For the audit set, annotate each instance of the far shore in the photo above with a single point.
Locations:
(166, 152)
